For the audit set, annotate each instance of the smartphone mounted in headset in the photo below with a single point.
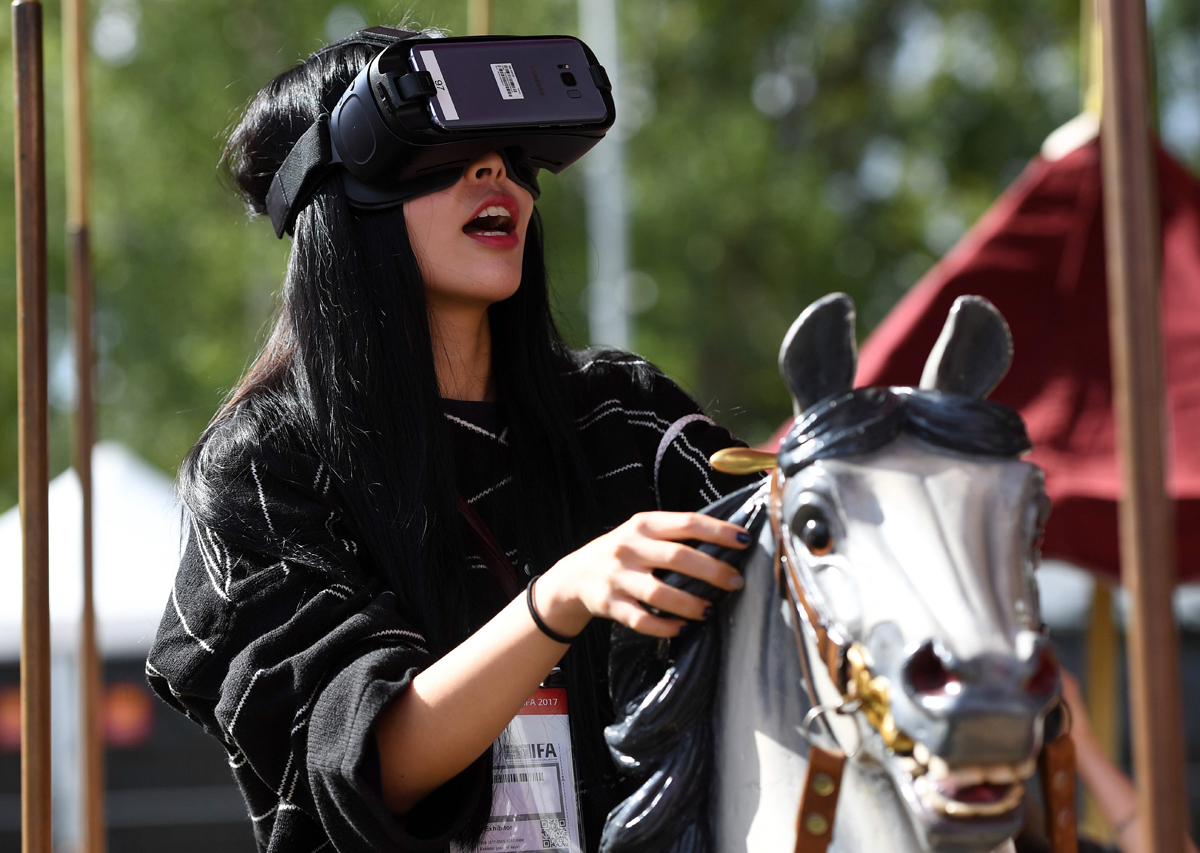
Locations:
(425, 108)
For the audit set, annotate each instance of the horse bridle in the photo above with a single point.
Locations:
(849, 670)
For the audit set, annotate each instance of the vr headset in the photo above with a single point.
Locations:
(425, 108)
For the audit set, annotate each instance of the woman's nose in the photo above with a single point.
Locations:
(487, 169)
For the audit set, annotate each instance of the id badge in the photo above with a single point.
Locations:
(534, 807)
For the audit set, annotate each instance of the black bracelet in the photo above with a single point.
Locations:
(537, 620)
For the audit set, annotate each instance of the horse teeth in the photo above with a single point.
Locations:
(921, 754)
(965, 777)
(938, 767)
(1001, 774)
(1026, 768)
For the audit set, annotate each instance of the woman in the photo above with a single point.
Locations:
(341, 619)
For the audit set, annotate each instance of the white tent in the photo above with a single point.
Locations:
(137, 526)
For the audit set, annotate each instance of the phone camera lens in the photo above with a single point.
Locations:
(569, 79)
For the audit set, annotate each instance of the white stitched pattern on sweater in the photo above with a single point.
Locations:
(478, 429)
(262, 499)
(218, 545)
(266, 814)
(242, 701)
(617, 471)
(636, 362)
(488, 491)
(210, 563)
(596, 413)
(292, 787)
(183, 622)
(400, 632)
(286, 770)
(336, 591)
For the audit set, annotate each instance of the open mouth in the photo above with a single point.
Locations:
(496, 218)
(966, 791)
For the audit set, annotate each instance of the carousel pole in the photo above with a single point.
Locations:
(1146, 530)
(78, 180)
(32, 425)
(479, 17)
(1102, 641)
(607, 203)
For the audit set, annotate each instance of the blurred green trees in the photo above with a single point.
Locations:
(777, 151)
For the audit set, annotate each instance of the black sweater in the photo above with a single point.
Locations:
(288, 661)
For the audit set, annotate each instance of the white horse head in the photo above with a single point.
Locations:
(911, 528)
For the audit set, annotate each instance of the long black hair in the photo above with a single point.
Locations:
(347, 374)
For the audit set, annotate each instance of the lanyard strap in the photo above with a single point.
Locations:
(491, 552)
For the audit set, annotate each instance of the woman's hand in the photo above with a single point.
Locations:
(613, 575)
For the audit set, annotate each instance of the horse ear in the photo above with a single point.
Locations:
(818, 357)
(973, 352)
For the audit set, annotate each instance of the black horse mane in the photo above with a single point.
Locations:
(664, 691)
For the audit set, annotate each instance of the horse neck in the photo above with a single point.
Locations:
(761, 757)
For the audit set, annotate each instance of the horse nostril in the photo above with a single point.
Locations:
(926, 673)
(1044, 680)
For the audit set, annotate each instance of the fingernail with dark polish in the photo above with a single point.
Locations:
(744, 538)
(709, 611)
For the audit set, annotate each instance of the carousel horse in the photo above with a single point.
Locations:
(882, 682)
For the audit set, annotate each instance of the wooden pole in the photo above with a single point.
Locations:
(32, 431)
(1102, 694)
(80, 273)
(1134, 245)
(479, 17)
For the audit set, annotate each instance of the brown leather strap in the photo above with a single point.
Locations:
(491, 552)
(1057, 768)
(832, 653)
(819, 800)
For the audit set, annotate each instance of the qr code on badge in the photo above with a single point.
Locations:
(554, 835)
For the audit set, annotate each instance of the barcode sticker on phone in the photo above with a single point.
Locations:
(506, 79)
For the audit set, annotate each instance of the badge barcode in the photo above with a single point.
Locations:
(505, 778)
(554, 834)
(506, 79)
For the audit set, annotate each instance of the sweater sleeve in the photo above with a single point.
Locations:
(287, 655)
(676, 439)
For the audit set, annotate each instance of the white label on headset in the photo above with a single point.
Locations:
(506, 79)
(449, 113)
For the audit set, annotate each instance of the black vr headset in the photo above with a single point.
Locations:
(425, 108)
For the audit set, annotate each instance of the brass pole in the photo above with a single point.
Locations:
(32, 429)
(80, 273)
(479, 17)
(1134, 244)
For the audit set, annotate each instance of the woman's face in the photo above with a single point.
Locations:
(469, 239)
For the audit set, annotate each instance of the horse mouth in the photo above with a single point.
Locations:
(967, 791)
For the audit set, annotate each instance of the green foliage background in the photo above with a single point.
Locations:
(777, 151)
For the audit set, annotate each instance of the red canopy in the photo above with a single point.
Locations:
(1038, 255)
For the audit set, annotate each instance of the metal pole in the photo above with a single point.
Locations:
(78, 181)
(479, 17)
(604, 172)
(32, 430)
(1147, 537)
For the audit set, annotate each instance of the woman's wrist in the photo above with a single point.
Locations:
(557, 604)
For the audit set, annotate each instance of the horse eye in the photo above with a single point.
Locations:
(813, 530)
